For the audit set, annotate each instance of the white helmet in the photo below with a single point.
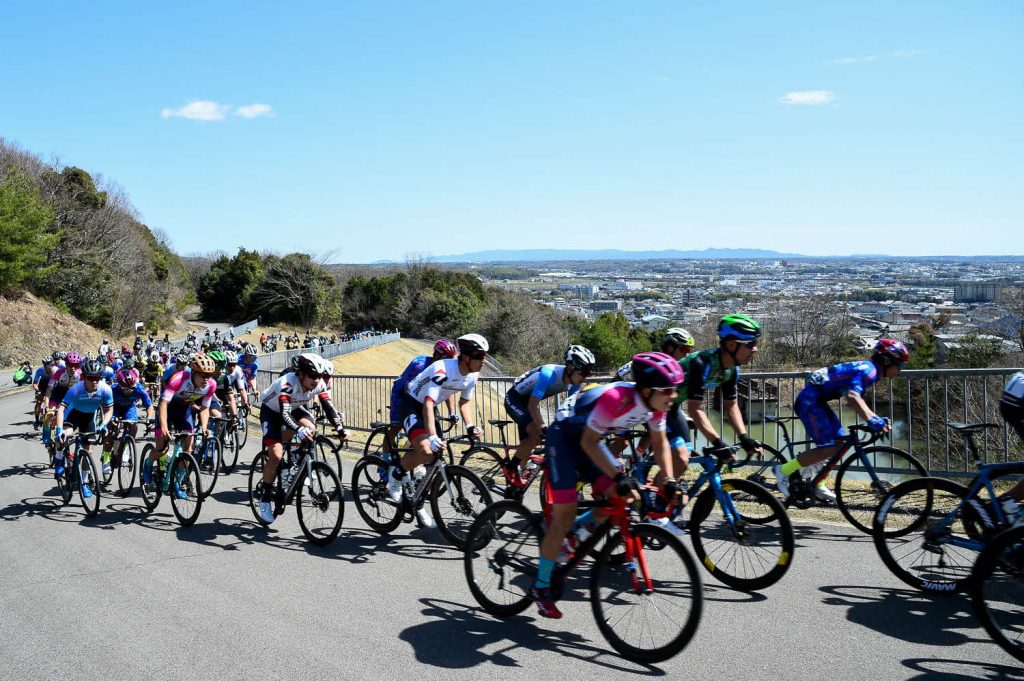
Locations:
(625, 372)
(154, 357)
(232, 357)
(578, 357)
(472, 343)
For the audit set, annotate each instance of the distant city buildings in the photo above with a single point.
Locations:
(976, 292)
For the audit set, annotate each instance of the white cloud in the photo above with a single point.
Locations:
(198, 110)
(254, 110)
(809, 97)
(867, 59)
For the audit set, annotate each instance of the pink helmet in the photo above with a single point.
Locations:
(446, 348)
(656, 370)
(893, 349)
(127, 378)
(74, 358)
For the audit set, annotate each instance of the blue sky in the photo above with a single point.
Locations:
(378, 130)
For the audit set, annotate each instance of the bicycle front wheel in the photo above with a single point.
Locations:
(500, 557)
(243, 428)
(126, 467)
(229, 450)
(320, 502)
(88, 484)
(751, 546)
(921, 536)
(858, 496)
(486, 464)
(370, 492)
(648, 608)
(457, 504)
(256, 485)
(184, 490)
(997, 592)
(209, 465)
(151, 490)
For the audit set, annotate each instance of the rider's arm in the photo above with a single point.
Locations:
(593, 444)
(466, 410)
(701, 420)
(108, 413)
(857, 403)
(428, 416)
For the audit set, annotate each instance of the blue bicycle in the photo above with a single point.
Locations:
(929, 531)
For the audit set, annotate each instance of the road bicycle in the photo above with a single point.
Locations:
(176, 475)
(80, 473)
(312, 484)
(929, 532)
(646, 592)
(456, 495)
(500, 472)
(856, 497)
(208, 453)
(122, 455)
(997, 590)
(380, 442)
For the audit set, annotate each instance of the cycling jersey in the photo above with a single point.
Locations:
(287, 393)
(180, 388)
(249, 369)
(235, 379)
(609, 408)
(60, 381)
(542, 382)
(124, 404)
(108, 375)
(414, 369)
(38, 375)
(833, 382)
(441, 380)
(170, 371)
(704, 371)
(79, 399)
(151, 374)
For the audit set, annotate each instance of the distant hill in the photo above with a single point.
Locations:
(543, 254)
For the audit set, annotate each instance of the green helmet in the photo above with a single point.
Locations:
(738, 327)
(220, 360)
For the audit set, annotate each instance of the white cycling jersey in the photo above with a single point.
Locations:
(440, 380)
(288, 388)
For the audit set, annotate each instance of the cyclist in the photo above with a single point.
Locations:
(283, 416)
(522, 401)
(443, 349)
(39, 383)
(232, 381)
(180, 364)
(181, 391)
(127, 392)
(78, 412)
(576, 450)
(433, 385)
(1011, 407)
(720, 367)
(63, 378)
(849, 380)
(249, 365)
(108, 371)
(152, 371)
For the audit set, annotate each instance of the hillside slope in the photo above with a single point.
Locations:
(31, 328)
(383, 360)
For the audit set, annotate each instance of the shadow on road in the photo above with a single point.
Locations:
(472, 638)
(848, 535)
(36, 470)
(931, 669)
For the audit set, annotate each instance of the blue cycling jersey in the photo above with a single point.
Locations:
(249, 369)
(38, 375)
(414, 369)
(542, 382)
(128, 400)
(78, 399)
(837, 380)
(108, 375)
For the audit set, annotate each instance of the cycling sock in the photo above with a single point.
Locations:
(584, 520)
(790, 467)
(544, 569)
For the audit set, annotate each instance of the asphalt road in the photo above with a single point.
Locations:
(130, 595)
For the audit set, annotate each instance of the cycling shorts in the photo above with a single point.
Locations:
(179, 418)
(410, 415)
(568, 464)
(128, 413)
(272, 424)
(677, 429)
(820, 422)
(83, 422)
(518, 410)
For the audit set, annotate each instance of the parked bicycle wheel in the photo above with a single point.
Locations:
(858, 497)
(756, 550)
(651, 621)
(370, 492)
(500, 557)
(126, 467)
(151, 491)
(457, 504)
(88, 483)
(916, 530)
(185, 490)
(321, 505)
(997, 591)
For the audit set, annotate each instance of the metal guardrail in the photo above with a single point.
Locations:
(275, 361)
(919, 403)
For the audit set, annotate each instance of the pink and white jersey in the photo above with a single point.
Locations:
(440, 380)
(609, 408)
(180, 387)
(288, 388)
(63, 378)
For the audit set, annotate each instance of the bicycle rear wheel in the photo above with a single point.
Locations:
(126, 467)
(457, 504)
(88, 483)
(229, 450)
(500, 557)
(997, 592)
(752, 552)
(486, 464)
(647, 622)
(209, 462)
(184, 489)
(859, 499)
(321, 506)
(256, 485)
(152, 490)
(370, 492)
(920, 534)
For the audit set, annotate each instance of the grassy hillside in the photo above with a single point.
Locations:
(384, 360)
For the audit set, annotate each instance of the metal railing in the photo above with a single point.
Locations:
(275, 361)
(919, 403)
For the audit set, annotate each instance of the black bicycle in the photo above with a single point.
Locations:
(80, 473)
(997, 590)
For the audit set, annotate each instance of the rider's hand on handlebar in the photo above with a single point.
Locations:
(749, 444)
(454, 418)
(879, 424)
(626, 486)
(474, 432)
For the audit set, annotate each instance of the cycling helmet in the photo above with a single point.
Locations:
(738, 327)
(75, 359)
(219, 358)
(92, 369)
(679, 337)
(310, 364)
(154, 357)
(181, 358)
(203, 364)
(140, 363)
(57, 355)
(106, 341)
(445, 348)
(249, 350)
(326, 367)
(656, 370)
(231, 357)
(472, 344)
(625, 372)
(891, 349)
(127, 378)
(578, 357)
(48, 360)
(293, 363)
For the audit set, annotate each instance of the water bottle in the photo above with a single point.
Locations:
(532, 466)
